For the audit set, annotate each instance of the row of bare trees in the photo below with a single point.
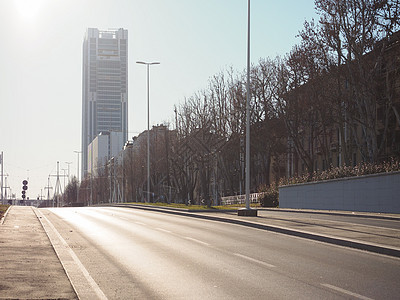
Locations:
(337, 89)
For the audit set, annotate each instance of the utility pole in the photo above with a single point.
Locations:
(64, 170)
(2, 170)
(57, 189)
(48, 188)
(68, 163)
(5, 188)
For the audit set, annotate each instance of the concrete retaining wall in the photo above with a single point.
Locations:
(370, 193)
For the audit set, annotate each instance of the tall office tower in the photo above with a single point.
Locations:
(104, 87)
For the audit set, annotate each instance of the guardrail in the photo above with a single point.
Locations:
(240, 199)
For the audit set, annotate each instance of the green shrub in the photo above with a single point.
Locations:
(392, 165)
(269, 195)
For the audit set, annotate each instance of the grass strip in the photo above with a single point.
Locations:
(194, 207)
(3, 209)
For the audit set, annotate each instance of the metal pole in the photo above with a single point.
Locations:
(148, 120)
(77, 175)
(123, 177)
(248, 112)
(2, 170)
(77, 171)
(77, 191)
(5, 188)
(64, 170)
(109, 173)
(68, 163)
(148, 130)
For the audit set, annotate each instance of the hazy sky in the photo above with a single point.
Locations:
(41, 65)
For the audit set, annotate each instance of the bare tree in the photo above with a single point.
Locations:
(357, 34)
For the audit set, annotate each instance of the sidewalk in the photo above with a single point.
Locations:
(376, 239)
(29, 267)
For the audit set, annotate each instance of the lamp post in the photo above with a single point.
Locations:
(77, 175)
(248, 211)
(68, 163)
(77, 192)
(148, 64)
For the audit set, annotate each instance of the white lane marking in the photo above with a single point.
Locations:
(254, 260)
(197, 241)
(163, 230)
(338, 289)
(140, 223)
(78, 263)
(123, 218)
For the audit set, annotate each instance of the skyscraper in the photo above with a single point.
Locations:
(104, 86)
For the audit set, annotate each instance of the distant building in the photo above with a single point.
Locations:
(104, 88)
(104, 146)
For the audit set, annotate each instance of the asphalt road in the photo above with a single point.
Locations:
(128, 253)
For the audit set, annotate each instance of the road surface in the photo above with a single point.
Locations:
(129, 253)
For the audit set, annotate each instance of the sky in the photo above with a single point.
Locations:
(41, 67)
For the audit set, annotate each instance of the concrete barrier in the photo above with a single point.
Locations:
(369, 193)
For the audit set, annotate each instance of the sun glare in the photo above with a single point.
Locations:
(28, 9)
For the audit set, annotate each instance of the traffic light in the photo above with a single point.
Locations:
(24, 188)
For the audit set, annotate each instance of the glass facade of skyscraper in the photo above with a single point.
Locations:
(105, 92)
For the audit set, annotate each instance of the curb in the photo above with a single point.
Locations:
(360, 245)
(297, 211)
(82, 283)
(163, 208)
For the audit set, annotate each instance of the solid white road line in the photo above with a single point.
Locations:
(74, 269)
(254, 260)
(338, 289)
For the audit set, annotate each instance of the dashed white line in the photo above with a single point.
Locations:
(163, 230)
(197, 241)
(255, 260)
(338, 289)
(140, 223)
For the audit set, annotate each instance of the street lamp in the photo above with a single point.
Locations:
(77, 191)
(78, 152)
(248, 211)
(148, 119)
(68, 163)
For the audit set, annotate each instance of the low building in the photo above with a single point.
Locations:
(105, 146)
